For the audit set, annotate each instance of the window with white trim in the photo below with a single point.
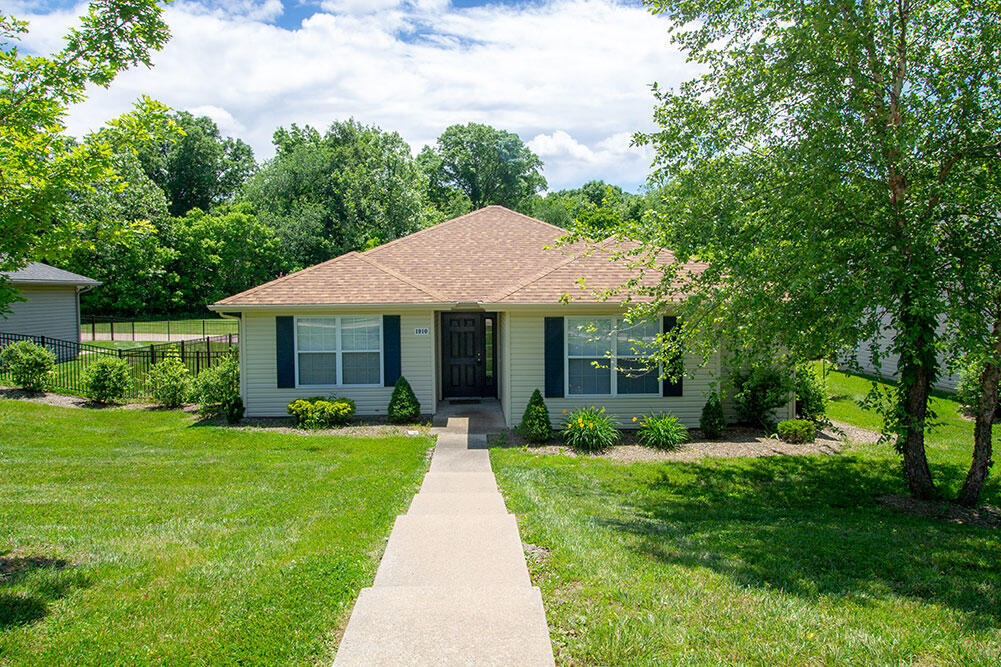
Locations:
(341, 350)
(607, 356)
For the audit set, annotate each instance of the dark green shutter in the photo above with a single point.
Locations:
(285, 351)
(554, 357)
(391, 363)
(672, 388)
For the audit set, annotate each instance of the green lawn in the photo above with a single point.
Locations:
(134, 537)
(784, 560)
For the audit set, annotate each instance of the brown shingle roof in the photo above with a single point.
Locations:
(492, 255)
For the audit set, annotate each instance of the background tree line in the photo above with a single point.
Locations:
(208, 221)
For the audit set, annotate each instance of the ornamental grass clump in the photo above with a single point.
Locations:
(535, 425)
(661, 431)
(797, 430)
(30, 366)
(590, 430)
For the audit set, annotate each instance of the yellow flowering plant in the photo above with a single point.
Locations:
(590, 429)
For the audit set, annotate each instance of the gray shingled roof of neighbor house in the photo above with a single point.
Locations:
(37, 273)
(492, 255)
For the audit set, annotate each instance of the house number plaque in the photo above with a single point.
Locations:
(422, 332)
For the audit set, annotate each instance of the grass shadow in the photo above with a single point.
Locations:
(812, 527)
(30, 583)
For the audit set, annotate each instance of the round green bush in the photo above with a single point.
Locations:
(811, 393)
(758, 391)
(170, 381)
(106, 379)
(662, 431)
(30, 366)
(403, 404)
(590, 430)
(535, 425)
(321, 412)
(797, 430)
(713, 421)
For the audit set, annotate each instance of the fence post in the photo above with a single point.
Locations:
(93, 328)
(120, 350)
(182, 349)
(168, 330)
(112, 323)
(203, 328)
(133, 331)
(152, 354)
(230, 339)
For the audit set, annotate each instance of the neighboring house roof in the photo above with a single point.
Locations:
(37, 273)
(492, 255)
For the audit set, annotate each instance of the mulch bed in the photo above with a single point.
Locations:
(984, 516)
(738, 442)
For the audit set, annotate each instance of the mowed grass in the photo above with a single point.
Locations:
(134, 537)
(781, 560)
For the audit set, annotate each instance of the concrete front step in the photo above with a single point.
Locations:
(447, 626)
(456, 504)
(458, 482)
(453, 551)
(460, 460)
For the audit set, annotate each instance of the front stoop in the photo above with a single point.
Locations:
(453, 586)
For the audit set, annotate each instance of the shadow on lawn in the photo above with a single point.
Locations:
(40, 580)
(810, 526)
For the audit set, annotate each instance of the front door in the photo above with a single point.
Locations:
(468, 350)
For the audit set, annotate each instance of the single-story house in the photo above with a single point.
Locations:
(52, 302)
(471, 308)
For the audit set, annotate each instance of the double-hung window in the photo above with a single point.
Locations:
(607, 356)
(341, 350)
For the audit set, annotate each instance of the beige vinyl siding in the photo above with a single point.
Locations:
(888, 367)
(258, 366)
(504, 361)
(524, 349)
(48, 311)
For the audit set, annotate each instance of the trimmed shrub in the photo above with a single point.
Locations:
(535, 425)
(106, 379)
(811, 393)
(590, 430)
(662, 431)
(170, 381)
(321, 412)
(797, 430)
(30, 366)
(403, 404)
(758, 391)
(713, 421)
(217, 390)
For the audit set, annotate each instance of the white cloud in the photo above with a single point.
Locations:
(572, 76)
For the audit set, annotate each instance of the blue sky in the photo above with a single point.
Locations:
(571, 77)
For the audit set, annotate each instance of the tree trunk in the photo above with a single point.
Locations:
(918, 364)
(984, 422)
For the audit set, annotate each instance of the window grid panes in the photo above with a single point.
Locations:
(337, 351)
(606, 356)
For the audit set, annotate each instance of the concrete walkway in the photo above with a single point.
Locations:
(453, 586)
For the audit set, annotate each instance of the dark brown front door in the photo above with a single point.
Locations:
(468, 349)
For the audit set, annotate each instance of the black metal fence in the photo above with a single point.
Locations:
(103, 327)
(73, 358)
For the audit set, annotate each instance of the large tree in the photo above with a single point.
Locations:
(483, 165)
(199, 168)
(817, 163)
(328, 193)
(41, 168)
(596, 205)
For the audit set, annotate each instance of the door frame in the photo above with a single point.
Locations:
(490, 384)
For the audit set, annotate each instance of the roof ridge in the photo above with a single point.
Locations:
(399, 276)
(287, 276)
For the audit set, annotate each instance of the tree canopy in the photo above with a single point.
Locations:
(818, 165)
(41, 168)
(326, 194)
(199, 168)
(480, 165)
